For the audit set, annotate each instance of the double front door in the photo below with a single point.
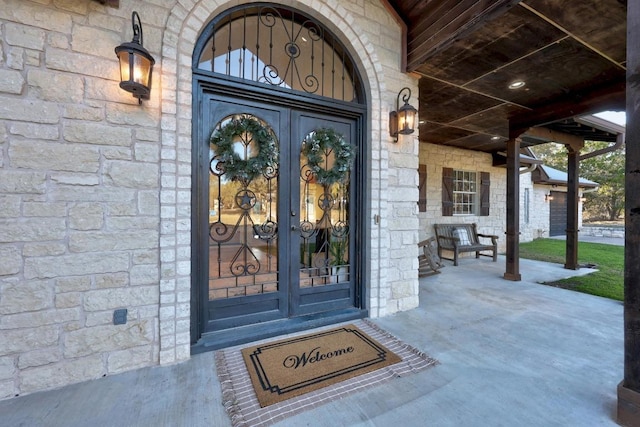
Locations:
(274, 206)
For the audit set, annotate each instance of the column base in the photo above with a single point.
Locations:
(515, 277)
(628, 407)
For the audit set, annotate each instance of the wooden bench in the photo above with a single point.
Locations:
(459, 238)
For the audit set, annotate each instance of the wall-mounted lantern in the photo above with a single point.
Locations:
(548, 197)
(136, 63)
(402, 120)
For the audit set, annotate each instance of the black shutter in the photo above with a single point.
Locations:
(485, 184)
(422, 188)
(447, 192)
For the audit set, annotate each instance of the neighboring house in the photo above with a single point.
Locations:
(550, 185)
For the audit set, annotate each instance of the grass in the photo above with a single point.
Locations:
(607, 282)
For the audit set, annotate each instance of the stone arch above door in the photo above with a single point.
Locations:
(183, 27)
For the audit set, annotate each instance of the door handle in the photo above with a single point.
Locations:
(295, 228)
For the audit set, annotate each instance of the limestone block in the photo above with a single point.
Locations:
(11, 263)
(99, 339)
(22, 182)
(133, 222)
(9, 206)
(75, 265)
(23, 340)
(99, 318)
(109, 299)
(152, 135)
(11, 81)
(56, 87)
(83, 112)
(132, 115)
(73, 284)
(68, 300)
(39, 318)
(86, 216)
(73, 62)
(117, 153)
(133, 174)
(23, 297)
(24, 36)
(8, 389)
(39, 357)
(63, 373)
(147, 153)
(112, 241)
(28, 110)
(97, 133)
(35, 131)
(133, 358)
(117, 280)
(44, 209)
(37, 249)
(95, 41)
(108, 22)
(7, 367)
(144, 275)
(106, 90)
(15, 58)
(146, 257)
(53, 156)
(75, 179)
(61, 41)
(121, 209)
(32, 229)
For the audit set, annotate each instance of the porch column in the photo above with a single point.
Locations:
(573, 166)
(513, 210)
(629, 388)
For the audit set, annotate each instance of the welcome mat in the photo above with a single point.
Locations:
(288, 368)
(240, 398)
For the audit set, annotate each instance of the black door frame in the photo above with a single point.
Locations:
(210, 84)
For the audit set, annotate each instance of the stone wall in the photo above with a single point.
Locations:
(95, 190)
(436, 157)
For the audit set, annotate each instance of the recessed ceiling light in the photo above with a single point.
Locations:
(421, 122)
(495, 138)
(516, 84)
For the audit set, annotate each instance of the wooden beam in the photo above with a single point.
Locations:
(550, 135)
(454, 20)
(607, 97)
(629, 388)
(573, 166)
(513, 211)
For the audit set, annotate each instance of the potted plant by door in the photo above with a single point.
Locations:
(338, 254)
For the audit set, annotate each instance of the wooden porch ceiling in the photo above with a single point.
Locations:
(570, 54)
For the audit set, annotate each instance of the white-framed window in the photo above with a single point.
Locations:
(465, 192)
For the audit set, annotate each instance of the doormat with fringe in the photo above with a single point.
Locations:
(393, 357)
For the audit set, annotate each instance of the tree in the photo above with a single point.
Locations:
(607, 170)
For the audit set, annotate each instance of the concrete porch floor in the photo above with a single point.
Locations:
(510, 353)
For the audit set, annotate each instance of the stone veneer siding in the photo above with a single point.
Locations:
(95, 190)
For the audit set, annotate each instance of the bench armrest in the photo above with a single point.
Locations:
(494, 238)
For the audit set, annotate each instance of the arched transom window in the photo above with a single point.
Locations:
(282, 47)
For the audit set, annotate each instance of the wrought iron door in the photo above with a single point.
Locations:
(279, 242)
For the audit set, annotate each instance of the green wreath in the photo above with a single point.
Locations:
(318, 146)
(236, 168)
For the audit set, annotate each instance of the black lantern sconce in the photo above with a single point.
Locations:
(402, 121)
(136, 63)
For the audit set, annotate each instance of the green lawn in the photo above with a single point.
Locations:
(609, 260)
